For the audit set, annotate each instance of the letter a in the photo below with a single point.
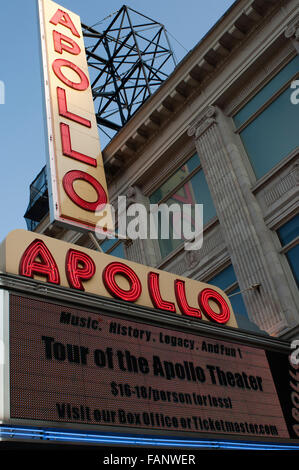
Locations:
(63, 18)
(37, 259)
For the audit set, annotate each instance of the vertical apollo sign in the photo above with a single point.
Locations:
(77, 184)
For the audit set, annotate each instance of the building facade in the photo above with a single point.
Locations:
(221, 131)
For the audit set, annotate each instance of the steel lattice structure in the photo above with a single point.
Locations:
(127, 62)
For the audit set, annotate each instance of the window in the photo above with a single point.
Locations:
(114, 247)
(268, 123)
(186, 186)
(227, 281)
(289, 238)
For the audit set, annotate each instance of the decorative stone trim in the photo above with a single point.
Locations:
(133, 251)
(202, 63)
(179, 266)
(258, 79)
(211, 243)
(283, 186)
(292, 30)
(202, 124)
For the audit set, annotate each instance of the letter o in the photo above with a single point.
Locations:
(210, 294)
(146, 418)
(109, 273)
(68, 185)
(59, 63)
(175, 422)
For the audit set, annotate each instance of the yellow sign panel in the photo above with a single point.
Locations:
(60, 263)
(77, 187)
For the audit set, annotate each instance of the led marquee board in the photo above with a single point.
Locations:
(90, 369)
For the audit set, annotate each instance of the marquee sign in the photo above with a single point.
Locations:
(75, 367)
(56, 262)
(94, 368)
(76, 179)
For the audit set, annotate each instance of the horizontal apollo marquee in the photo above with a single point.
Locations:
(46, 259)
(76, 178)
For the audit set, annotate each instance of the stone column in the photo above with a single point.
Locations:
(248, 240)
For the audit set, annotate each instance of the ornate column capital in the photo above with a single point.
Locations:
(131, 195)
(292, 30)
(202, 122)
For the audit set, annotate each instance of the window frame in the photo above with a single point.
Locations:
(218, 271)
(164, 260)
(231, 287)
(289, 245)
(284, 249)
(260, 110)
(255, 180)
(262, 80)
(181, 184)
(115, 245)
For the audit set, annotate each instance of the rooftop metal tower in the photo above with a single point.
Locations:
(127, 61)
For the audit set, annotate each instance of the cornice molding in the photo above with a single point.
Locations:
(187, 80)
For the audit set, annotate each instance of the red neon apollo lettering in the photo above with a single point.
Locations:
(79, 267)
(82, 85)
(68, 185)
(67, 147)
(72, 47)
(180, 294)
(44, 266)
(203, 300)
(155, 294)
(63, 111)
(115, 268)
(63, 18)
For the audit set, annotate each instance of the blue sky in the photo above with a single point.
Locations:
(21, 117)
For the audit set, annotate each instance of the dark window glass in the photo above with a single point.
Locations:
(185, 186)
(286, 74)
(289, 231)
(118, 251)
(273, 134)
(227, 281)
(113, 247)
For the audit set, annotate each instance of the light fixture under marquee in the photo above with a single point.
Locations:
(44, 434)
